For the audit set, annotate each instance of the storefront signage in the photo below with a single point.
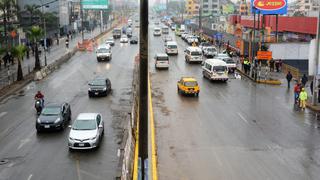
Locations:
(269, 6)
(264, 55)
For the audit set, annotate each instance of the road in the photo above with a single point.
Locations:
(235, 130)
(26, 155)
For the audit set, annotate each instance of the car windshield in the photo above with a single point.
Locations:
(84, 125)
(50, 111)
(205, 44)
(172, 46)
(196, 53)
(98, 82)
(229, 61)
(190, 83)
(103, 50)
(162, 58)
(219, 68)
(211, 49)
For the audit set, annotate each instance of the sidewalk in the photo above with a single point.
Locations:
(8, 75)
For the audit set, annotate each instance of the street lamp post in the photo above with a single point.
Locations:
(315, 82)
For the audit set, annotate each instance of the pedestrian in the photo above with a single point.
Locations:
(67, 43)
(304, 80)
(303, 96)
(6, 59)
(280, 65)
(277, 66)
(11, 59)
(271, 65)
(27, 51)
(289, 78)
(296, 91)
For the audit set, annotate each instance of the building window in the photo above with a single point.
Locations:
(205, 11)
(205, 6)
(214, 6)
(307, 7)
(205, 1)
(306, 1)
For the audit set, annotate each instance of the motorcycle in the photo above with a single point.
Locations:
(38, 105)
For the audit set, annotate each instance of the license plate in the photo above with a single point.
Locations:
(46, 126)
(96, 93)
(81, 144)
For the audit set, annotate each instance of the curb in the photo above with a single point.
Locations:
(270, 82)
(17, 85)
(312, 107)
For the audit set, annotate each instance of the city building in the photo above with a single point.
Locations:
(307, 7)
(210, 7)
(192, 8)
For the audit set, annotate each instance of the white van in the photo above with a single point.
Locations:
(157, 31)
(165, 30)
(193, 54)
(103, 52)
(161, 60)
(171, 47)
(215, 69)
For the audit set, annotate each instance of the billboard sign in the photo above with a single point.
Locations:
(95, 4)
(269, 6)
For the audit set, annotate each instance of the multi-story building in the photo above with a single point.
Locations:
(192, 8)
(210, 7)
(307, 7)
(244, 7)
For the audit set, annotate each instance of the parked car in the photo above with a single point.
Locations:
(134, 40)
(86, 131)
(188, 85)
(231, 64)
(99, 86)
(209, 51)
(54, 116)
(192, 39)
(204, 44)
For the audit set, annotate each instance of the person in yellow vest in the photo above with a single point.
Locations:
(303, 96)
(246, 64)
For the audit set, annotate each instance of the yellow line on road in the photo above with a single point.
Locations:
(153, 139)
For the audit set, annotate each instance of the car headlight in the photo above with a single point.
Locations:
(94, 138)
(57, 120)
(38, 120)
(70, 138)
(89, 89)
(105, 89)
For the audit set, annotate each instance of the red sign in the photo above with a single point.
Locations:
(13, 34)
(269, 4)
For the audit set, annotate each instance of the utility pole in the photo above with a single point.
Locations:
(200, 15)
(316, 60)
(45, 34)
(143, 86)
(81, 14)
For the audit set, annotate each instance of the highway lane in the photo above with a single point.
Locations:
(234, 130)
(28, 155)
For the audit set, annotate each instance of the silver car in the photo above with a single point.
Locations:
(86, 131)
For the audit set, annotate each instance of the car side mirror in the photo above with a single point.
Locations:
(69, 126)
(100, 126)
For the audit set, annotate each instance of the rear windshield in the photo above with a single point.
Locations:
(162, 58)
(172, 46)
(103, 50)
(196, 53)
(190, 83)
(219, 68)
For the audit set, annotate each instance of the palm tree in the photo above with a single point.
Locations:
(19, 52)
(34, 35)
(32, 9)
(8, 9)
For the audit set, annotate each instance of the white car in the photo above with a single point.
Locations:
(231, 64)
(209, 51)
(157, 31)
(86, 131)
(192, 39)
(124, 39)
(222, 56)
(110, 41)
(103, 52)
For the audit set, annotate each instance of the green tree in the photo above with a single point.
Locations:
(32, 10)
(19, 52)
(34, 35)
(8, 10)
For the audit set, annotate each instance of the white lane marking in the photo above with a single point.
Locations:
(90, 174)
(118, 153)
(3, 114)
(10, 165)
(244, 119)
(217, 158)
(25, 141)
(78, 169)
(223, 96)
(29, 178)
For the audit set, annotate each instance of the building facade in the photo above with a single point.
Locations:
(192, 8)
(307, 7)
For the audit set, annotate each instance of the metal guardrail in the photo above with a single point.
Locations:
(294, 71)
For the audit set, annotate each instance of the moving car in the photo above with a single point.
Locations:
(231, 64)
(165, 30)
(204, 44)
(103, 52)
(129, 32)
(86, 131)
(188, 85)
(110, 41)
(157, 31)
(124, 39)
(209, 51)
(215, 69)
(134, 40)
(116, 33)
(54, 116)
(193, 54)
(222, 56)
(171, 48)
(167, 38)
(99, 86)
(161, 61)
(192, 39)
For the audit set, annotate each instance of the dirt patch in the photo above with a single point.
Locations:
(159, 101)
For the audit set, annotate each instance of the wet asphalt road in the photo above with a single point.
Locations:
(28, 155)
(235, 130)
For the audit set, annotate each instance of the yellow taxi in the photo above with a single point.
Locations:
(188, 85)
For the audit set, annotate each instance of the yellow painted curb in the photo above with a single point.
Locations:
(153, 139)
(272, 82)
(136, 152)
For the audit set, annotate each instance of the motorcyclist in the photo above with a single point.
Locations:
(40, 96)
